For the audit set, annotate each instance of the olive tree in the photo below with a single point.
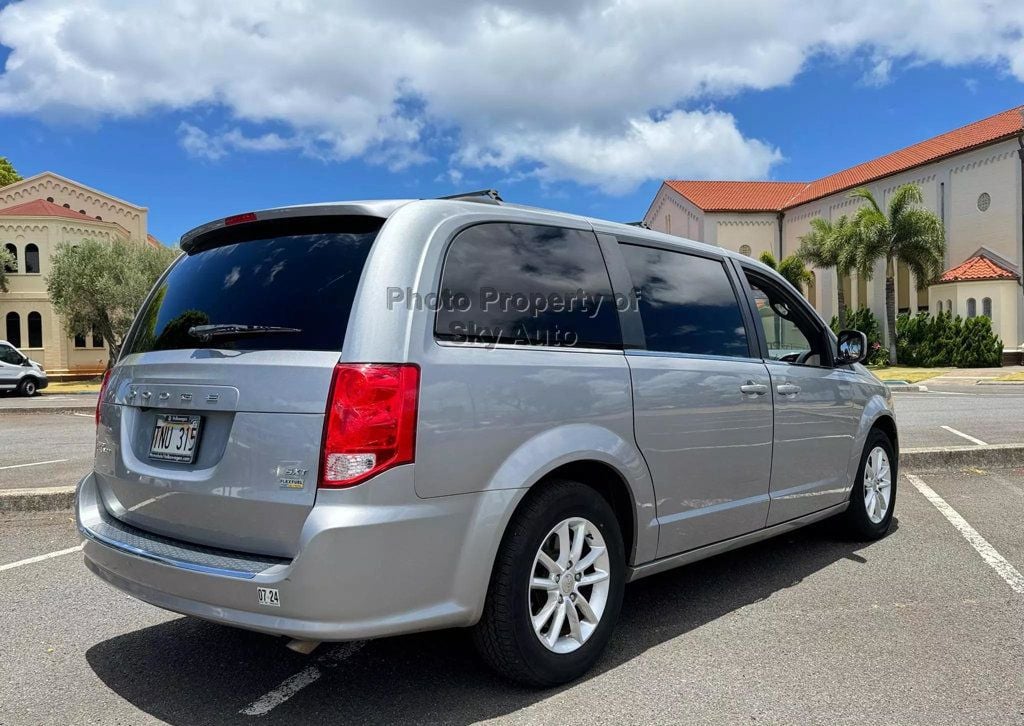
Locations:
(100, 285)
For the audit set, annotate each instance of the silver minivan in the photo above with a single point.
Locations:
(355, 420)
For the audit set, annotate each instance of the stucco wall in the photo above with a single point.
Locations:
(732, 231)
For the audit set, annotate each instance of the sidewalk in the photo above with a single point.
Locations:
(975, 376)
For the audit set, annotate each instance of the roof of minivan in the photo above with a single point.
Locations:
(384, 208)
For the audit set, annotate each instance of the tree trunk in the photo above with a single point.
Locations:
(890, 309)
(842, 305)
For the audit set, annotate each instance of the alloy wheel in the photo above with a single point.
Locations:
(569, 585)
(877, 485)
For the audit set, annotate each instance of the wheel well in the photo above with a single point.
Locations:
(607, 482)
(887, 426)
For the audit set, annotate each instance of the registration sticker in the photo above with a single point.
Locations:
(268, 596)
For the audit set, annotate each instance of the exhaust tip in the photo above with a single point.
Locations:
(303, 646)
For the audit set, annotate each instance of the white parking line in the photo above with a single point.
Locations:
(84, 415)
(34, 463)
(988, 553)
(39, 558)
(292, 685)
(970, 438)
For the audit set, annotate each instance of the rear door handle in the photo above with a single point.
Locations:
(755, 388)
(787, 389)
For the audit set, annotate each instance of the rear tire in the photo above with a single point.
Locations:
(28, 387)
(873, 498)
(538, 545)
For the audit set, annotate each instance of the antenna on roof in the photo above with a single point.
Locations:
(483, 196)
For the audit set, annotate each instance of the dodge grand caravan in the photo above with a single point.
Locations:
(354, 420)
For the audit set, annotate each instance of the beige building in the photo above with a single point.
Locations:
(36, 215)
(971, 177)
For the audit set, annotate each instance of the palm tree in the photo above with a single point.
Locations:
(792, 268)
(831, 246)
(905, 232)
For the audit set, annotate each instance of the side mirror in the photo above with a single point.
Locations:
(26, 362)
(852, 348)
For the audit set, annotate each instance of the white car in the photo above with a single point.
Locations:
(18, 372)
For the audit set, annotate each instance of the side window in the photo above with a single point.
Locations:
(792, 336)
(9, 355)
(527, 284)
(687, 303)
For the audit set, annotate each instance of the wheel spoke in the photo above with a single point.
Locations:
(556, 624)
(590, 558)
(585, 610)
(574, 623)
(579, 536)
(878, 507)
(563, 545)
(543, 583)
(869, 501)
(544, 615)
(549, 564)
(592, 578)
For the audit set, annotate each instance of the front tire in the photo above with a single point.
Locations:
(873, 499)
(556, 588)
(28, 387)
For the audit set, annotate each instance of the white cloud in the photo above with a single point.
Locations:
(587, 90)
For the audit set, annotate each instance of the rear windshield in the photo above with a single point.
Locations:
(300, 274)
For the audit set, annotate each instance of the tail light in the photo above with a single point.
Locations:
(370, 424)
(103, 390)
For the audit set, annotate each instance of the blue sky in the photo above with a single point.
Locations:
(193, 150)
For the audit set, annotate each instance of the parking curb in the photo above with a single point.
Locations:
(43, 499)
(1004, 456)
(952, 457)
(48, 409)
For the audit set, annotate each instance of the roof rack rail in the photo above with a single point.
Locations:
(484, 196)
(641, 224)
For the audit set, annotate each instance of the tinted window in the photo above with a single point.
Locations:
(527, 284)
(687, 303)
(791, 336)
(299, 280)
(10, 355)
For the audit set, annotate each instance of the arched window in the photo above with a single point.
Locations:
(745, 250)
(938, 307)
(80, 340)
(14, 329)
(31, 258)
(13, 267)
(986, 307)
(97, 339)
(35, 330)
(949, 306)
(972, 307)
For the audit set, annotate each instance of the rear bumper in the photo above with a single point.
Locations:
(374, 561)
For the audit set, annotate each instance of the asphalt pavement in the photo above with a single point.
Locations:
(918, 628)
(45, 449)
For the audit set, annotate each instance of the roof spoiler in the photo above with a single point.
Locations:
(483, 196)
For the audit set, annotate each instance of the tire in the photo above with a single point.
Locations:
(505, 635)
(28, 386)
(861, 518)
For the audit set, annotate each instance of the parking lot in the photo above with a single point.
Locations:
(920, 627)
(924, 626)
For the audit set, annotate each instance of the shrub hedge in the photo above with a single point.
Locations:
(943, 340)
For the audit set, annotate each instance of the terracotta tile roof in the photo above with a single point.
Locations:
(42, 208)
(772, 196)
(153, 241)
(737, 196)
(978, 267)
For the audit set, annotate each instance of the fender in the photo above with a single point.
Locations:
(539, 456)
(876, 408)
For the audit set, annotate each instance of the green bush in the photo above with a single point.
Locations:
(866, 322)
(931, 341)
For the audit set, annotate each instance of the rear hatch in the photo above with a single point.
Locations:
(215, 411)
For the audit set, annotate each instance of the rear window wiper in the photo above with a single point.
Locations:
(207, 333)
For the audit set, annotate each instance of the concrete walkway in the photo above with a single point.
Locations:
(973, 376)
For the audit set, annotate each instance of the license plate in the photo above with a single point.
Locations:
(175, 438)
(268, 596)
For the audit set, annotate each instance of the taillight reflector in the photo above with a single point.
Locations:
(103, 391)
(370, 424)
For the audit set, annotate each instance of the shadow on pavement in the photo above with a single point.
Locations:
(188, 671)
